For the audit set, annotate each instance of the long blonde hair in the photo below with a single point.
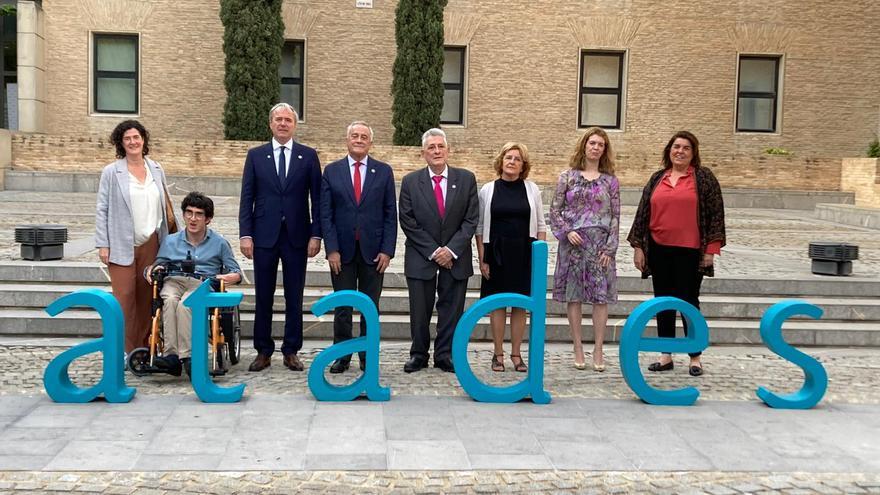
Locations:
(578, 159)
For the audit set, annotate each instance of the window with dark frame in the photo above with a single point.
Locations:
(601, 89)
(453, 85)
(757, 93)
(292, 71)
(115, 70)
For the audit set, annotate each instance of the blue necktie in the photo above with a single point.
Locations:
(282, 165)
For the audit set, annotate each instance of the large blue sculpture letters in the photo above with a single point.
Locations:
(369, 381)
(56, 378)
(199, 302)
(816, 379)
(536, 304)
(631, 342)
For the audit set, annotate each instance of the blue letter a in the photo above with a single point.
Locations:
(536, 304)
(56, 378)
(199, 302)
(816, 379)
(369, 381)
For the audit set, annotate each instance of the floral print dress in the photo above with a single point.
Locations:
(592, 209)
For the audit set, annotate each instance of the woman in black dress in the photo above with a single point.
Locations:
(511, 218)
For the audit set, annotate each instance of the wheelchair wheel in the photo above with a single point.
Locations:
(139, 361)
(234, 343)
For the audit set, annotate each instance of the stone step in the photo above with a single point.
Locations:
(87, 273)
(85, 323)
(24, 180)
(395, 301)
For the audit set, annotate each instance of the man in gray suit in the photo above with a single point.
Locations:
(439, 212)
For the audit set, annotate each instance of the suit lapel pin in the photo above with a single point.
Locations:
(453, 186)
(269, 156)
(299, 157)
(373, 170)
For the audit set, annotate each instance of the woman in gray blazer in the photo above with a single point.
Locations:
(130, 223)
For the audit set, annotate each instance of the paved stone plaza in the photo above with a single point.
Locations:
(595, 437)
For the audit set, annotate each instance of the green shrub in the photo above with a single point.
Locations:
(252, 40)
(874, 149)
(777, 151)
(417, 86)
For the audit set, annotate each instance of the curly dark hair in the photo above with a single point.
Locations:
(198, 200)
(116, 136)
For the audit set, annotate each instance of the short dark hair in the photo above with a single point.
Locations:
(125, 125)
(695, 145)
(198, 200)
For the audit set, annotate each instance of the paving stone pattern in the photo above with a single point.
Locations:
(434, 482)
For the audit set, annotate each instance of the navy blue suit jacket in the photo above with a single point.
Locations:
(265, 201)
(375, 217)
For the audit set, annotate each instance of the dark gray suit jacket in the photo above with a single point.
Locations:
(424, 229)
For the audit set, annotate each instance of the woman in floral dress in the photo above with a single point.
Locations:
(585, 217)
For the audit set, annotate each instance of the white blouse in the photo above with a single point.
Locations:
(145, 207)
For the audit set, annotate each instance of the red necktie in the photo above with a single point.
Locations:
(357, 182)
(438, 195)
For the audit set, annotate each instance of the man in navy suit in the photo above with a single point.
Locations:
(274, 223)
(359, 224)
(439, 211)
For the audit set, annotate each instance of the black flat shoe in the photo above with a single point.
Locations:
(695, 370)
(661, 367)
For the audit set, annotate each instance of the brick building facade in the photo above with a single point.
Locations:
(797, 75)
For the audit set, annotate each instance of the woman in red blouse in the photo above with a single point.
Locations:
(677, 231)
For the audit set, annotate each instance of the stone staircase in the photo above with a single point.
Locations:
(757, 270)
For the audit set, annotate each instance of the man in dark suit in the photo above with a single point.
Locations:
(274, 223)
(359, 223)
(439, 211)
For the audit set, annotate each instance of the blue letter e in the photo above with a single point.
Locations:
(631, 342)
(369, 381)
(536, 304)
(56, 378)
(816, 380)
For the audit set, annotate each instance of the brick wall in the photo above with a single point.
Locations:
(522, 74)
(862, 177)
(42, 152)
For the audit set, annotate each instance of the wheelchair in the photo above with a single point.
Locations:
(224, 327)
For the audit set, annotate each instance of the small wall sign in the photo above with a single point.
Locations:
(363, 4)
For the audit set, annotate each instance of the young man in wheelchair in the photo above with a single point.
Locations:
(187, 258)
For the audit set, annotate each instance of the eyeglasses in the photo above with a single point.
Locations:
(198, 215)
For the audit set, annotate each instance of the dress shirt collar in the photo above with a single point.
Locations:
(276, 144)
(445, 173)
(352, 161)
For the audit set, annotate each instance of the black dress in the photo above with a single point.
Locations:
(509, 250)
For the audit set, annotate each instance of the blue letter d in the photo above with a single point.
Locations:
(536, 304)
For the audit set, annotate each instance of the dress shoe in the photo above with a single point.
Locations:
(339, 366)
(169, 364)
(696, 370)
(444, 364)
(661, 367)
(415, 364)
(580, 366)
(261, 362)
(293, 363)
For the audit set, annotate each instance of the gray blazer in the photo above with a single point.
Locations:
(114, 226)
(426, 231)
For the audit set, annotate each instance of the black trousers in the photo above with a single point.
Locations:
(675, 272)
(450, 305)
(355, 275)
